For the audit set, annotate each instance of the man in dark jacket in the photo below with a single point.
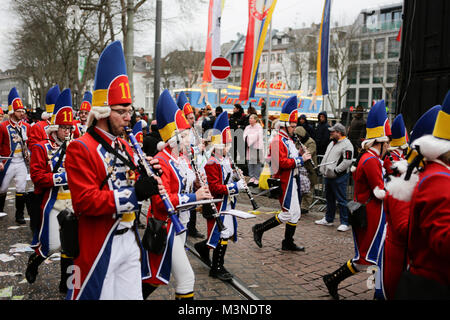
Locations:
(302, 121)
(150, 144)
(357, 130)
(321, 133)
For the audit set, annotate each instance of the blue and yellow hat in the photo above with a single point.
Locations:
(62, 113)
(377, 125)
(442, 126)
(137, 130)
(111, 86)
(169, 118)
(50, 98)
(399, 134)
(425, 124)
(221, 131)
(183, 104)
(14, 101)
(86, 103)
(289, 111)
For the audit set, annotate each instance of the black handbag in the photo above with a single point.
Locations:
(357, 216)
(155, 236)
(415, 287)
(68, 233)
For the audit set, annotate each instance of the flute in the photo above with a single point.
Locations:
(179, 228)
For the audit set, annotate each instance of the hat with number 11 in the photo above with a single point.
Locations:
(14, 101)
(62, 113)
(111, 86)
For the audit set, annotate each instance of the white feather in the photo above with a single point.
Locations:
(401, 165)
(379, 194)
(401, 189)
(432, 147)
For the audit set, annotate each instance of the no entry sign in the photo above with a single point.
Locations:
(220, 68)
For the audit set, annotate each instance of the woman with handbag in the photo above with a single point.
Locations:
(369, 190)
(178, 179)
(253, 135)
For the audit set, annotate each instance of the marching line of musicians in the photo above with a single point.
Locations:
(90, 177)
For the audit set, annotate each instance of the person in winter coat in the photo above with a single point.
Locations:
(253, 135)
(303, 122)
(321, 133)
(150, 144)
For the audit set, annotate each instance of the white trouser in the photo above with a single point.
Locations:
(181, 267)
(123, 278)
(17, 170)
(54, 242)
(229, 225)
(294, 213)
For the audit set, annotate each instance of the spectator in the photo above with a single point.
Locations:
(302, 121)
(208, 121)
(144, 116)
(150, 144)
(310, 145)
(339, 151)
(357, 130)
(236, 117)
(253, 135)
(321, 133)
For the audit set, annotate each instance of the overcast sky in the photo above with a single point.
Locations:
(178, 33)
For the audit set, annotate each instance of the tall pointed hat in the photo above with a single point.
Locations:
(111, 86)
(183, 104)
(377, 125)
(169, 118)
(221, 131)
(138, 130)
(62, 112)
(50, 99)
(86, 103)
(289, 111)
(14, 101)
(399, 134)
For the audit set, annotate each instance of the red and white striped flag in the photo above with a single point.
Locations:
(213, 38)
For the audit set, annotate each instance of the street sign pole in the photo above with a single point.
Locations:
(220, 70)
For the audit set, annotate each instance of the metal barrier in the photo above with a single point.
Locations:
(319, 190)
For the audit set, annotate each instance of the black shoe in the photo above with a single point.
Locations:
(332, 280)
(32, 267)
(332, 286)
(195, 234)
(20, 221)
(221, 274)
(290, 246)
(203, 251)
(257, 234)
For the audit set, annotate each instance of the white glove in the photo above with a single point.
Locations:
(241, 185)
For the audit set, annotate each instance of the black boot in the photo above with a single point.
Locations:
(288, 242)
(147, 289)
(184, 296)
(217, 269)
(20, 207)
(332, 280)
(32, 267)
(2, 202)
(65, 264)
(203, 250)
(191, 226)
(259, 229)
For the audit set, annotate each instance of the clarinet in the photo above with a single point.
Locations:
(203, 183)
(306, 150)
(247, 189)
(179, 228)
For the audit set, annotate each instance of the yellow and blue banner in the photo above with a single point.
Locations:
(323, 51)
(259, 16)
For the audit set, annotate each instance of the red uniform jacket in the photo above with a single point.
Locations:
(37, 132)
(368, 241)
(429, 233)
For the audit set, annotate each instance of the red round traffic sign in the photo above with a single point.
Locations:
(220, 68)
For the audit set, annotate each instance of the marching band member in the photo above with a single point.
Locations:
(218, 172)
(178, 179)
(38, 134)
(49, 177)
(105, 193)
(83, 113)
(285, 160)
(369, 190)
(397, 204)
(13, 143)
(429, 229)
(37, 131)
(398, 144)
(184, 105)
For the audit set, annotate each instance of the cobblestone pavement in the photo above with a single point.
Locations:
(268, 272)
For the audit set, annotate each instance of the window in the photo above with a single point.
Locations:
(365, 49)
(364, 97)
(352, 74)
(392, 69)
(285, 40)
(147, 65)
(351, 98)
(393, 47)
(364, 74)
(278, 76)
(378, 73)
(379, 48)
(272, 57)
(264, 57)
(377, 94)
(391, 103)
(274, 41)
(354, 51)
(279, 57)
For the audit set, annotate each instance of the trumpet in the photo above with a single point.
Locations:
(247, 189)
(145, 168)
